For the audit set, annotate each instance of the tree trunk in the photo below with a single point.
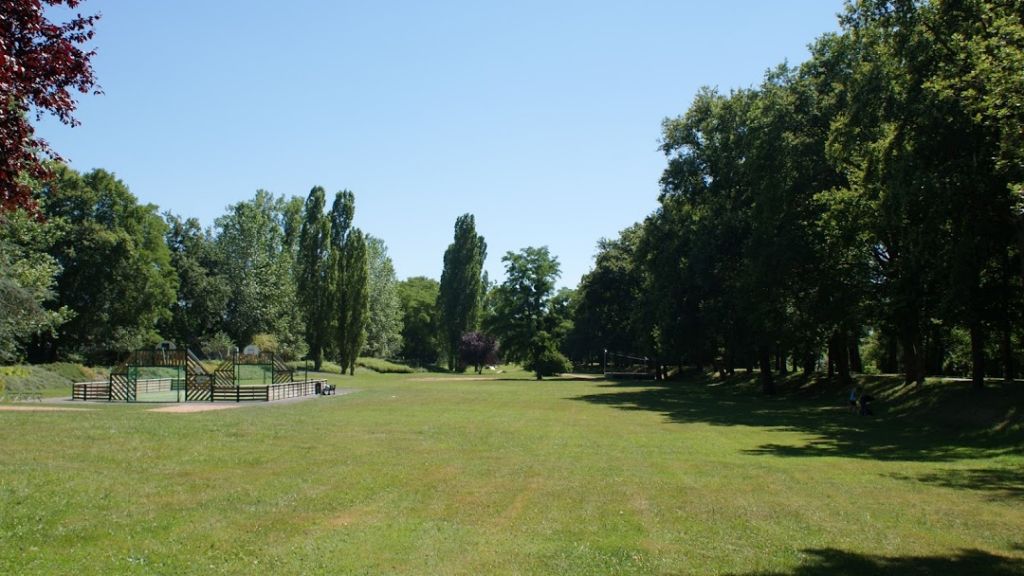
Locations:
(1007, 351)
(913, 354)
(767, 383)
(856, 363)
(810, 363)
(840, 348)
(891, 359)
(977, 355)
(1006, 344)
(831, 358)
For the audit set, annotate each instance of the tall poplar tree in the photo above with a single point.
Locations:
(313, 275)
(459, 297)
(356, 299)
(342, 212)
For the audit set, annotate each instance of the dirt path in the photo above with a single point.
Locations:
(194, 407)
(41, 409)
(454, 379)
(492, 378)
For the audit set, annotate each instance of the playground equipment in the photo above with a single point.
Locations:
(193, 382)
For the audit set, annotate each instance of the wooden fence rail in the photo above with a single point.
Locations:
(294, 389)
(90, 390)
(239, 394)
(101, 390)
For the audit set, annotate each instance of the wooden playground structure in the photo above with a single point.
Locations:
(193, 382)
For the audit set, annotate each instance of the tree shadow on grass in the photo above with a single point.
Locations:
(999, 483)
(893, 434)
(833, 562)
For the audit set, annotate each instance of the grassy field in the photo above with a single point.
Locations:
(415, 474)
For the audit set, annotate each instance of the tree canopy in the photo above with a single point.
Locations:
(27, 283)
(869, 193)
(384, 313)
(314, 274)
(203, 291)
(115, 267)
(459, 298)
(42, 64)
(523, 317)
(418, 297)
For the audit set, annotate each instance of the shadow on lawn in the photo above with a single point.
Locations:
(895, 433)
(841, 563)
(1001, 483)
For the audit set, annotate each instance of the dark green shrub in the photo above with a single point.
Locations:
(549, 363)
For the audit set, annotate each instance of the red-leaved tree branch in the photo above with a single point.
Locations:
(42, 65)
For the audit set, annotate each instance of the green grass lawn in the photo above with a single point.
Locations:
(415, 475)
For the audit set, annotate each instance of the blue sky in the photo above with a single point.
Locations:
(540, 118)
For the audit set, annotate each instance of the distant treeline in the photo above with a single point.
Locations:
(95, 273)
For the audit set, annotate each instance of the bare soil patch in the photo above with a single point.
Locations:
(41, 409)
(190, 408)
(454, 378)
(503, 377)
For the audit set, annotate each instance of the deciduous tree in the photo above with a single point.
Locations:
(259, 271)
(42, 64)
(27, 283)
(384, 316)
(203, 290)
(418, 296)
(522, 317)
(116, 271)
(478, 349)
